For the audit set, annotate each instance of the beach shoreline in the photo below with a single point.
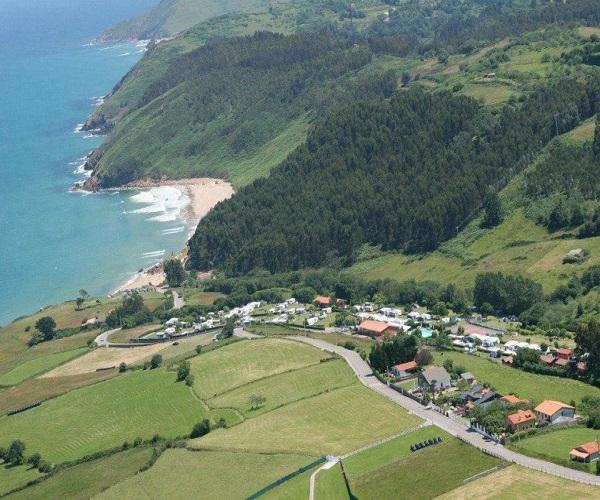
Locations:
(204, 193)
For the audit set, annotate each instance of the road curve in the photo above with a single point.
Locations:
(102, 339)
(457, 429)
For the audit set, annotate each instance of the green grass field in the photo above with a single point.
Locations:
(283, 389)
(330, 484)
(297, 488)
(179, 473)
(39, 365)
(331, 423)
(426, 473)
(89, 478)
(526, 385)
(105, 415)
(390, 452)
(243, 362)
(15, 477)
(519, 482)
(197, 297)
(123, 336)
(556, 445)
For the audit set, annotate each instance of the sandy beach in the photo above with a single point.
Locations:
(204, 194)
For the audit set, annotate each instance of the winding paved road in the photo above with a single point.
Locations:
(453, 427)
(102, 339)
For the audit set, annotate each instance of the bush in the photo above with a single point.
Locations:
(35, 460)
(200, 429)
(183, 371)
(15, 453)
(198, 349)
(122, 367)
(45, 467)
(189, 380)
(156, 361)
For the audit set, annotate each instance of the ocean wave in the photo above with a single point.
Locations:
(125, 54)
(173, 230)
(166, 201)
(154, 254)
(78, 128)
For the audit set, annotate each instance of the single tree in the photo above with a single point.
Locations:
(46, 326)
(189, 380)
(200, 429)
(156, 361)
(256, 401)
(492, 215)
(174, 272)
(15, 454)
(423, 357)
(405, 78)
(183, 370)
(123, 367)
(35, 460)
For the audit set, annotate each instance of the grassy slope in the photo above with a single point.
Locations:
(287, 387)
(297, 488)
(557, 444)
(89, 478)
(330, 484)
(244, 362)
(426, 473)
(15, 477)
(332, 423)
(105, 415)
(525, 484)
(184, 474)
(526, 385)
(39, 365)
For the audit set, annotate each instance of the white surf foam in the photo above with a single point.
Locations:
(167, 202)
(173, 230)
(152, 255)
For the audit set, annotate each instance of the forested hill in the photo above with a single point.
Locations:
(403, 174)
(231, 97)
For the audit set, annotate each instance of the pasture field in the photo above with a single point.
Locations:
(331, 423)
(123, 336)
(297, 488)
(104, 415)
(197, 297)
(366, 344)
(39, 365)
(184, 474)
(14, 337)
(526, 385)
(89, 478)
(273, 330)
(15, 477)
(556, 445)
(390, 452)
(40, 389)
(285, 388)
(519, 482)
(330, 484)
(426, 473)
(106, 357)
(243, 362)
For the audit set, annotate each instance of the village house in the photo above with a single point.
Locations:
(587, 452)
(520, 420)
(512, 399)
(404, 370)
(554, 412)
(322, 301)
(434, 377)
(467, 377)
(377, 329)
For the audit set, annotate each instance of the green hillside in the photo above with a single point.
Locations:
(521, 244)
(170, 17)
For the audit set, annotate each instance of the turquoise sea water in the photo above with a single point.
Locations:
(53, 242)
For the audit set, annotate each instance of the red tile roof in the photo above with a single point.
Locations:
(322, 300)
(521, 417)
(585, 450)
(380, 327)
(549, 407)
(563, 351)
(512, 399)
(548, 359)
(405, 367)
(562, 362)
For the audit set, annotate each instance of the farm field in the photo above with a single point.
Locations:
(197, 297)
(331, 423)
(89, 478)
(177, 474)
(390, 452)
(244, 362)
(426, 473)
(297, 488)
(123, 336)
(526, 385)
(104, 415)
(330, 484)
(556, 445)
(39, 365)
(518, 482)
(363, 343)
(15, 477)
(287, 387)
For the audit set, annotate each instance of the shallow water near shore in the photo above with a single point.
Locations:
(54, 242)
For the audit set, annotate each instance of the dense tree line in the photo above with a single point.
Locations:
(507, 294)
(388, 353)
(401, 174)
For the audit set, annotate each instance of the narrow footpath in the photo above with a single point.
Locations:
(453, 427)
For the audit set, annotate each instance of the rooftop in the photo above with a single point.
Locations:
(410, 365)
(550, 407)
(375, 326)
(521, 417)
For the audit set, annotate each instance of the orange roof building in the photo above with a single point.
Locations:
(522, 419)
(586, 452)
(404, 369)
(512, 399)
(374, 328)
(550, 411)
(564, 353)
(322, 300)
